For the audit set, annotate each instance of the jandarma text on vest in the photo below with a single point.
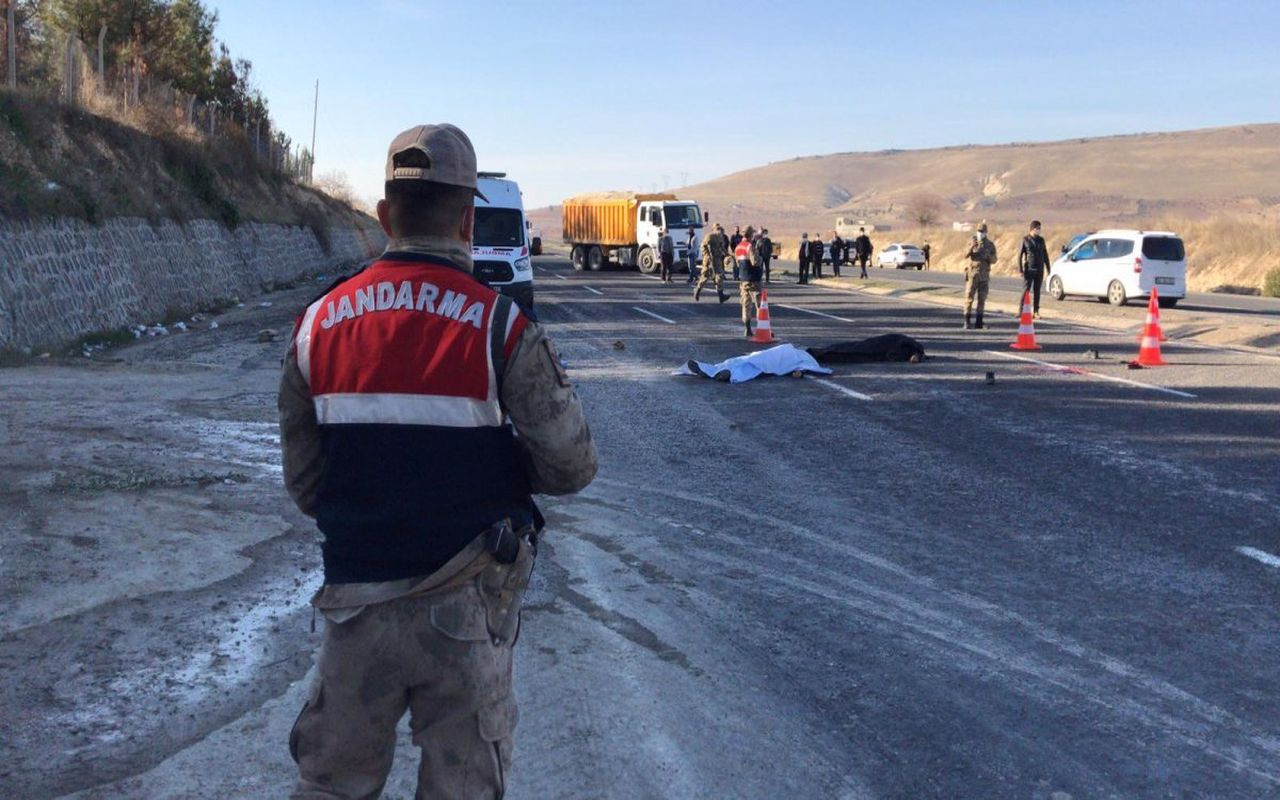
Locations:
(385, 296)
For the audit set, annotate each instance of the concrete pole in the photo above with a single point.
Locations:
(315, 115)
(102, 41)
(12, 35)
(70, 61)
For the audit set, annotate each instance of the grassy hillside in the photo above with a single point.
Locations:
(57, 161)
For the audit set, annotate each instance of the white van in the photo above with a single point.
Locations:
(1117, 265)
(500, 247)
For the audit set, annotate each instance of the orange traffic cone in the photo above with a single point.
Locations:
(1026, 329)
(1149, 350)
(1153, 317)
(764, 331)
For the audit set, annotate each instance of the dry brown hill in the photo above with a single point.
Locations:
(1180, 179)
(1115, 180)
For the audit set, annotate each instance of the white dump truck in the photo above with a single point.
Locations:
(623, 227)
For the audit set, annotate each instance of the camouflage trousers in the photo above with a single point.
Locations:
(711, 272)
(975, 288)
(748, 296)
(434, 655)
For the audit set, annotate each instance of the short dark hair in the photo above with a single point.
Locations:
(1035, 223)
(426, 208)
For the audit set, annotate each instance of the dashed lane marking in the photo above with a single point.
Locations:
(841, 389)
(593, 291)
(1260, 555)
(561, 277)
(1090, 373)
(655, 316)
(815, 313)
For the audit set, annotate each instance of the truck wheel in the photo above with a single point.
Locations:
(595, 258)
(646, 262)
(579, 258)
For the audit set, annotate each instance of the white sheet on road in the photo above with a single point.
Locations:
(783, 359)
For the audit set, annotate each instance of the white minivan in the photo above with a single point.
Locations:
(500, 246)
(1117, 265)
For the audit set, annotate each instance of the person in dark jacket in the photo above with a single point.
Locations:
(765, 248)
(837, 253)
(733, 247)
(862, 246)
(692, 255)
(1033, 264)
(804, 258)
(815, 255)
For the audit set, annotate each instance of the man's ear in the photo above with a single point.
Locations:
(384, 217)
(465, 233)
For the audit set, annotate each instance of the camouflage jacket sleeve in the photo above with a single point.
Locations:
(551, 428)
(299, 437)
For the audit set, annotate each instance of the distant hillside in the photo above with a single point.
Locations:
(1220, 187)
(1117, 180)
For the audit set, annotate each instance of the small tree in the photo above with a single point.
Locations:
(925, 209)
(335, 183)
(1271, 283)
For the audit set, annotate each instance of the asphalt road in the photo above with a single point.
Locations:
(898, 581)
(1195, 301)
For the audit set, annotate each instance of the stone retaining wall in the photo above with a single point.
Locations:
(61, 280)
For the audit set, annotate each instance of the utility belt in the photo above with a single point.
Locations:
(501, 580)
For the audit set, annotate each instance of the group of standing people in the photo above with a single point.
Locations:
(840, 251)
(749, 252)
(1033, 266)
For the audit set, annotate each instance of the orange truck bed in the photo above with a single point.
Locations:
(605, 218)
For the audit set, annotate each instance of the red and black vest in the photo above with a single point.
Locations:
(418, 461)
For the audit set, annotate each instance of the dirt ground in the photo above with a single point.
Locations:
(114, 633)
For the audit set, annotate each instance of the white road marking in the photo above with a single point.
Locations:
(561, 277)
(655, 316)
(593, 291)
(815, 313)
(1090, 373)
(842, 389)
(1260, 555)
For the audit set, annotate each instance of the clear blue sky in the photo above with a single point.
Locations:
(574, 95)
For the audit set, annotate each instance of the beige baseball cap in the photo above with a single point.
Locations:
(438, 153)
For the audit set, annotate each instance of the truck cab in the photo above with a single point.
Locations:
(500, 246)
(680, 219)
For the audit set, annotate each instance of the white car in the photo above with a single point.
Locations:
(1117, 265)
(901, 256)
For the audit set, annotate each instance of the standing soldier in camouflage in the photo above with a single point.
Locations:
(751, 268)
(398, 425)
(977, 275)
(713, 255)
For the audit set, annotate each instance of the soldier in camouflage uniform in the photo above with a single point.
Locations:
(977, 275)
(423, 491)
(714, 251)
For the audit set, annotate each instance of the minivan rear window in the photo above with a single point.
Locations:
(1163, 248)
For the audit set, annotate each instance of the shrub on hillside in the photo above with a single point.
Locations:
(1271, 283)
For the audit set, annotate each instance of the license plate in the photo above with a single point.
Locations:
(1164, 281)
